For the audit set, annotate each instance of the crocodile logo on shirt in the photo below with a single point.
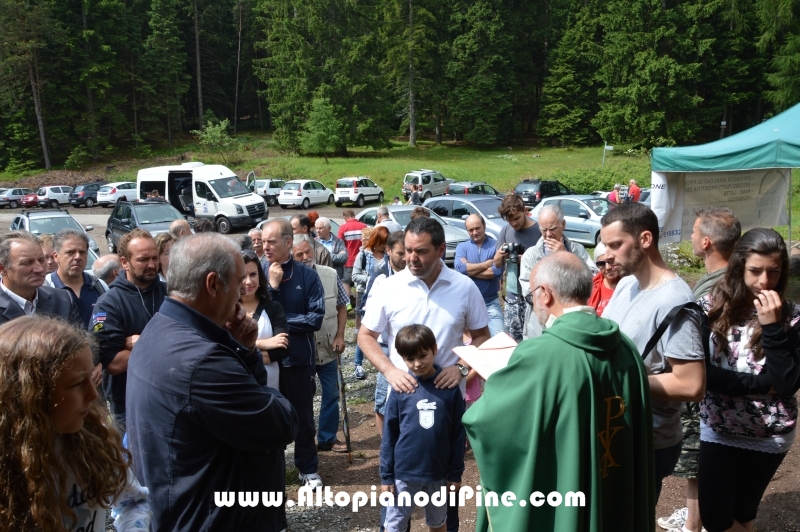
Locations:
(426, 417)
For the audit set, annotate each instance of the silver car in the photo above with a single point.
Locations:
(456, 210)
(12, 196)
(582, 214)
(402, 215)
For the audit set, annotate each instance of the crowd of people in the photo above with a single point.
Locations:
(186, 363)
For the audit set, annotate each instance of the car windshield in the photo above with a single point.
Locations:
(291, 186)
(345, 183)
(645, 195)
(488, 208)
(41, 192)
(49, 226)
(260, 183)
(411, 179)
(404, 217)
(228, 187)
(157, 213)
(600, 206)
(525, 187)
(106, 188)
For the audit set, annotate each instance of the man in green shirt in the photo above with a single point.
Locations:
(569, 414)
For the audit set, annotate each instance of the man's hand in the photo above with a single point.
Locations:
(449, 377)
(401, 381)
(97, 375)
(387, 487)
(338, 344)
(554, 245)
(243, 329)
(130, 341)
(768, 307)
(456, 484)
(275, 275)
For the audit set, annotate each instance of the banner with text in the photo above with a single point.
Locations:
(757, 197)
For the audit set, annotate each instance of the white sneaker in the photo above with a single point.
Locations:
(675, 521)
(360, 373)
(312, 480)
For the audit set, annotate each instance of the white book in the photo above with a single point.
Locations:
(489, 357)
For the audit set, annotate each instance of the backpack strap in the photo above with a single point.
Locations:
(670, 317)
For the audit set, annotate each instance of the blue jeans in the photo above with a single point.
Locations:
(495, 317)
(359, 361)
(665, 460)
(329, 407)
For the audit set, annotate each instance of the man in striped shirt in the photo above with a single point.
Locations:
(350, 233)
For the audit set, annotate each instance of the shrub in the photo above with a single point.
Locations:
(585, 181)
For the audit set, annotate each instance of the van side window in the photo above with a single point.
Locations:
(200, 190)
(426, 180)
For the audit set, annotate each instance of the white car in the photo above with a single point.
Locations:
(110, 194)
(304, 192)
(52, 196)
(357, 190)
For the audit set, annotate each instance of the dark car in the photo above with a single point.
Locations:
(533, 190)
(153, 215)
(85, 194)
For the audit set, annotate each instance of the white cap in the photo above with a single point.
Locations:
(599, 250)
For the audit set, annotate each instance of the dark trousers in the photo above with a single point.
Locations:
(731, 482)
(665, 460)
(298, 386)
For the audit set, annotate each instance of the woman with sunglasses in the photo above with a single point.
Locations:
(273, 334)
(746, 431)
(604, 282)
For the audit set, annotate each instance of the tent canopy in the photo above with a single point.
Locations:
(771, 144)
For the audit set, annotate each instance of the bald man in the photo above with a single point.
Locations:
(475, 259)
(179, 229)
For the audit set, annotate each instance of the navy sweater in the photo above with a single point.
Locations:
(414, 453)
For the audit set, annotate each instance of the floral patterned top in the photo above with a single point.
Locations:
(762, 416)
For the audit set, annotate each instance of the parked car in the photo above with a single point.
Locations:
(402, 215)
(433, 183)
(456, 210)
(304, 192)
(533, 190)
(582, 214)
(357, 190)
(49, 222)
(85, 194)
(12, 196)
(645, 196)
(53, 195)
(473, 187)
(153, 215)
(601, 194)
(29, 200)
(267, 188)
(111, 193)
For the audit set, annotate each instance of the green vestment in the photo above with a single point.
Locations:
(570, 413)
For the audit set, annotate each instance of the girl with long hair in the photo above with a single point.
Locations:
(273, 333)
(746, 430)
(62, 464)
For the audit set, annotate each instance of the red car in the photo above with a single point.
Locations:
(29, 200)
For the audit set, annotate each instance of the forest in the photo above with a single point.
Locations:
(83, 79)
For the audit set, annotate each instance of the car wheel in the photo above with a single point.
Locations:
(13, 204)
(330, 199)
(360, 201)
(283, 206)
(427, 196)
(271, 201)
(54, 204)
(110, 243)
(306, 203)
(597, 239)
(380, 197)
(89, 203)
(223, 225)
(338, 203)
(123, 198)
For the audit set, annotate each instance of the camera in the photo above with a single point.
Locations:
(514, 250)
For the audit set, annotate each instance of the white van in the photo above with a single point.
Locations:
(209, 191)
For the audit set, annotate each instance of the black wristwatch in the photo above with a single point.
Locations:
(464, 370)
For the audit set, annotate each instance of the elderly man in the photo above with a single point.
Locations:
(22, 266)
(332, 243)
(634, 192)
(475, 259)
(201, 418)
(642, 300)
(350, 234)
(106, 268)
(258, 245)
(385, 220)
(301, 294)
(301, 225)
(604, 282)
(552, 225)
(179, 229)
(330, 344)
(575, 404)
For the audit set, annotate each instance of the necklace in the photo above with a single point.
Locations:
(659, 278)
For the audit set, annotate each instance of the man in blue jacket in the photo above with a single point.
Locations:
(299, 290)
(205, 431)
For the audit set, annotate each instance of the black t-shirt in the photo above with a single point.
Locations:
(528, 237)
(415, 198)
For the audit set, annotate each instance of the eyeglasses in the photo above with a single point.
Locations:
(601, 263)
(529, 297)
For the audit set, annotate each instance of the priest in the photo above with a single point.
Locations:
(569, 414)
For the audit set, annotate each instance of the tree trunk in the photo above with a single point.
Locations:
(197, 59)
(438, 119)
(412, 111)
(724, 119)
(89, 99)
(169, 113)
(37, 105)
(238, 63)
(133, 94)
